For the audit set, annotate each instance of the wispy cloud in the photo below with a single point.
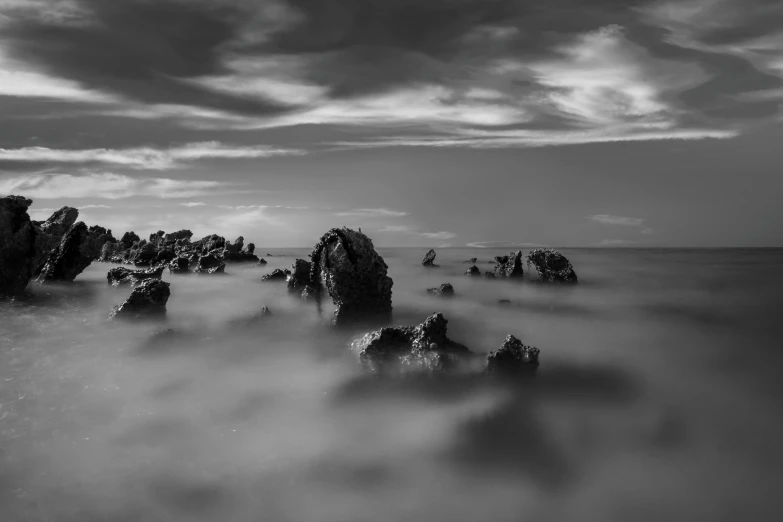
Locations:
(608, 219)
(192, 204)
(87, 207)
(406, 229)
(437, 235)
(144, 157)
(104, 185)
(371, 212)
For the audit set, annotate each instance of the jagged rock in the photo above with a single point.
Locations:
(123, 276)
(489, 275)
(108, 251)
(473, 271)
(147, 299)
(164, 256)
(513, 356)
(509, 266)
(552, 266)
(210, 264)
(180, 265)
(262, 261)
(472, 260)
(144, 255)
(177, 236)
(309, 293)
(129, 239)
(424, 347)
(445, 290)
(300, 275)
(75, 253)
(235, 247)
(17, 245)
(249, 249)
(157, 236)
(429, 259)
(277, 275)
(50, 233)
(210, 243)
(354, 274)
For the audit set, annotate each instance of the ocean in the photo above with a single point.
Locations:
(658, 398)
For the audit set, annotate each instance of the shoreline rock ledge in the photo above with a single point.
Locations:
(354, 274)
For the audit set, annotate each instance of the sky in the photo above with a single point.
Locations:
(481, 123)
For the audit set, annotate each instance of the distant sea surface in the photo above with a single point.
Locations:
(659, 398)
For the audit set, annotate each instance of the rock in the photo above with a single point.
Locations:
(108, 251)
(309, 293)
(129, 239)
(513, 356)
(249, 249)
(60, 222)
(235, 247)
(429, 259)
(180, 265)
(472, 260)
(277, 275)
(253, 321)
(473, 271)
(177, 236)
(210, 264)
(262, 261)
(355, 276)
(75, 253)
(509, 266)
(300, 275)
(145, 254)
(445, 290)
(164, 256)
(552, 266)
(210, 243)
(147, 299)
(419, 348)
(17, 245)
(123, 276)
(489, 275)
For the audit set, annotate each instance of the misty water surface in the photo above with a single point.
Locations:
(657, 398)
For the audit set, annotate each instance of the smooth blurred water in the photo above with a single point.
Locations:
(658, 398)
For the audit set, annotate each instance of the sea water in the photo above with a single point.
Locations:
(658, 398)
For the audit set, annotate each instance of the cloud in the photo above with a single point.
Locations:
(143, 157)
(395, 228)
(192, 204)
(437, 235)
(105, 185)
(87, 207)
(405, 229)
(607, 219)
(371, 212)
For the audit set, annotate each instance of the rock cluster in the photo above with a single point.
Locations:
(429, 259)
(473, 271)
(445, 290)
(277, 275)
(239, 253)
(354, 274)
(17, 245)
(148, 299)
(513, 356)
(552, 266)
(123, 276)
(509, 266)
(420, 348)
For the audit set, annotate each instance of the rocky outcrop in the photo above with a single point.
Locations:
(144, 254)
(300, 275)
(51, 232)
(17, 245)
(277, 275)
(76, 251)
(173, 237)
(180, 265)
(108, 251)
(146, 300)
(551, 266)
(237, 252)
(512, 357)
(129, 239)
(429, 259)
(489, 275)
(123, 276)
(354, 274)
(473, 271)
(410, 348)
(509, 266)
(445, 290)
(262, 261)
(210, 264)
(472, 260)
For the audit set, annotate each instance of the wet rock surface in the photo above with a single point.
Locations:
(277, 275)
(180, 265)
(552, 266)
(429, 259)
(76, 251)
(509, 266)
(354, 274)
(300, 275)
(425, 347)
(123, 276)
(17, 245)
(513, 356)
(148, 299)
(210, 264)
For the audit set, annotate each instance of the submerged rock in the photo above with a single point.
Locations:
(445, 290)
(552, 266)
(472, 260)
(75, 253)
(418, 348)
(147, 299)
(277, 275)
(429, 259)
(210, 264)
(123, 276)
(473, 271)
(513, 356)
(300, 275)
(17, 245)
(354, 274)
(509, 266)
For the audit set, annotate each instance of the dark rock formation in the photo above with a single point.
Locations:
(147, 299)
(76, 251)
(418, 348)
(144, 255)
(210, 264)
(210, 243)
(309, 293)
(473, 271)
(355, 276)
(164, 256)
(50, 233)
(429, 259)
(445, 290)
(108, 251)
(472, 260)
(249, 248)
(509, 266)
(238, 253)
(17, 245)
(277, 275)
(513, 356)
(489, 275)
(123, 276)
(262, 261)
(176, 236)
(180, 265)
(552, 266)
(300, 275)
(129, 239)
